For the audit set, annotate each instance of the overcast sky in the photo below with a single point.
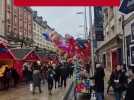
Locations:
(63, 19)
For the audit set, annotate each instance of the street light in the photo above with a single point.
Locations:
(85, 22)
(92, 40)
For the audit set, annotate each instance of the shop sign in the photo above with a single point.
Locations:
(127, 6)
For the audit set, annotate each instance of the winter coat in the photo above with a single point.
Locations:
(130, 91)
(50, 75)
(118, 81)
(99, 79)
(36, 77)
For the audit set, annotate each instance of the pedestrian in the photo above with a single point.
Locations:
(110, 82)
(57, 76)
(130, 88)
(27, 71)
(36, 77)
(64, 74)
(15, 76)
(99, 82)
(50, 79)
(118, 80)
(8, 76)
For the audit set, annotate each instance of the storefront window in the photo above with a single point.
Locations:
(132, 31)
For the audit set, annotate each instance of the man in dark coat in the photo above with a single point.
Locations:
(99, 82)
(64, 74)
(130, 89)
(118, 81)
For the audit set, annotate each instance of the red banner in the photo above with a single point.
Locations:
(67, 2)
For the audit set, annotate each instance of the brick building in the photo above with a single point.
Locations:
(17, 22)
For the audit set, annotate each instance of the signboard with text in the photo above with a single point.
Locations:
(98, 23)
(127, 6)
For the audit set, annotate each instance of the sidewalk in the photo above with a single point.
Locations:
(23, 93)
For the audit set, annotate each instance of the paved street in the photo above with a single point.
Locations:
(23, 93)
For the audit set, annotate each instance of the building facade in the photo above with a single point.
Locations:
(2, 13)
(16, 23)
(110, 50)
(129, 38)
(39, 27)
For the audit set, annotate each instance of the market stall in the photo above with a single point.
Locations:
(6, 61)
(6, 56)
(23, 55)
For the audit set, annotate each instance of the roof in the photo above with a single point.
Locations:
(8, 54)
(20, 53)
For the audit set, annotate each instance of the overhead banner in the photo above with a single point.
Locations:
(67, 2)
(127, 6)
(98, 23)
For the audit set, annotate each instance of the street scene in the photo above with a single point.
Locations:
(66, 53)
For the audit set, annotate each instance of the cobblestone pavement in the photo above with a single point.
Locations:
(23, 93)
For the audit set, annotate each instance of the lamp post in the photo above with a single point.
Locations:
(92, 41)
(85, 22)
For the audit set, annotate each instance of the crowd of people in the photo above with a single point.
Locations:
(121, 81)
(8, 75)
(54, 74)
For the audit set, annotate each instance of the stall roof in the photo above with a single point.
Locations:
(6, 52)
(20, 53)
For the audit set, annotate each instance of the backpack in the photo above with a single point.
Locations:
(9, 74)
(51, 74)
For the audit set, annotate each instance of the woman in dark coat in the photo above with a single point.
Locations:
(50, 79)
(36, 78)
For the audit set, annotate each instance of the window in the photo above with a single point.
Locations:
(107, 33)
(111, 12)
(112, 29)
(9, 2)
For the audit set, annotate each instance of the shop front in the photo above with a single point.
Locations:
(110, 53)
(23, 55)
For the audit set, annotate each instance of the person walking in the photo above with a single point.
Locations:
(64, 74)
(130, 89)
(110, 82)
(99, 82)
(118, 80)
(50, 78)
(36, 78)
(27, 71)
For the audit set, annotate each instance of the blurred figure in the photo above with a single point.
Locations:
(110, 81)
(15, 76)
(7, 77)
(27, 71)
(99, 82)
(57, 75)
(118, 81)
(36, 77)
(130, 88)
(64, 74)
(50, 79)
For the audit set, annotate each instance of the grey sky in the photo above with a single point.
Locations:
(63, 19)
